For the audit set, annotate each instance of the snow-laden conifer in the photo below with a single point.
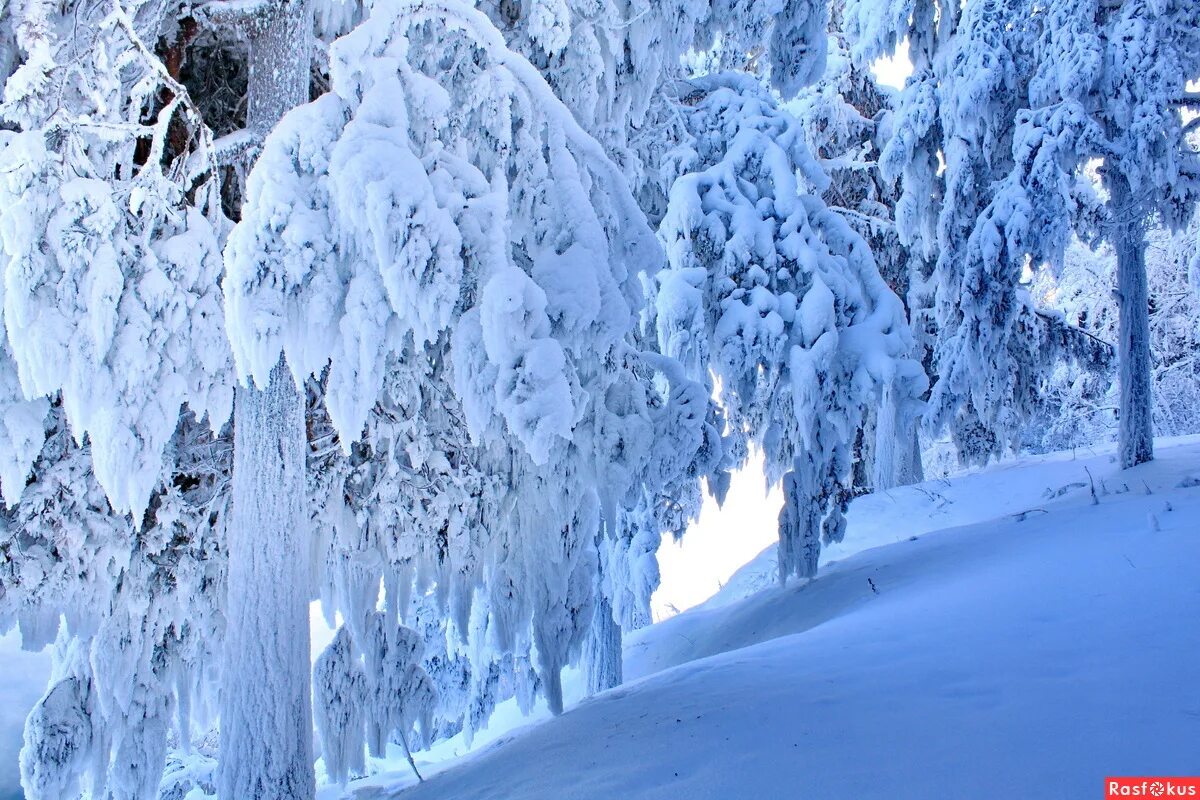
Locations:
(775, 294)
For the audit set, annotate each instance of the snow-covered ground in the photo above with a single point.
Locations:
(22, 683)
(1005, 637)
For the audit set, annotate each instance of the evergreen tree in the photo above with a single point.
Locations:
(1110, 83)
(778, 297)
(953, 143)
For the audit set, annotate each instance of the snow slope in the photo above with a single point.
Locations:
(1029, 656)
(978, 495)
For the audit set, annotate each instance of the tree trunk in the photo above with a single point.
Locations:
(266, 715)
(799, 524)
(913, 470)
(602, 650)
(887, 450)
(1136, 433)
(266, 712)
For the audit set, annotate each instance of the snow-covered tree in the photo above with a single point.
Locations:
(266, 746)
(109, 233)
(402, 696)
(1110, 83)
(140, 605)
(988, 355)
(1081, 406)
(114, 339)
(491, 277)
(59, 734)
(614, 63)
(950, 147)
(780, 299)
(910, 135)
(845, 118)
(340, 707)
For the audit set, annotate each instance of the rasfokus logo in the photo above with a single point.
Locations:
(1151, 787)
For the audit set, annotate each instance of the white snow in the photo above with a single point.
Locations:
(1028, 653)
(25, 676)
(719, 543)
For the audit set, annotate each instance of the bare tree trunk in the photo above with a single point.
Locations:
(266, 712)
(1136, 433)
(408, 754)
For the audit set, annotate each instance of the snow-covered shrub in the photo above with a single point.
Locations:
(340, 698)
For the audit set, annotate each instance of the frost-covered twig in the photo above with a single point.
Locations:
(1092, 483)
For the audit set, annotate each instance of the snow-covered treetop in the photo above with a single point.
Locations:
(739, 227)
(1110, 82)
(614, 63)
(109, 229)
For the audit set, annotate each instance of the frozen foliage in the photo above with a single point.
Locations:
(781, 300)
(58, 740)
(188, 773)
(845, 118)
(987, 338)
(354, 706)
(109, 229)
(21, 431)
(614, 63)
(912, 139)
(431, 228)
(402, 695)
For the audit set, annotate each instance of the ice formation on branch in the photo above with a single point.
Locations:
(141, 607)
